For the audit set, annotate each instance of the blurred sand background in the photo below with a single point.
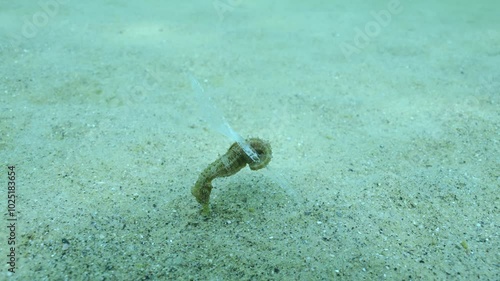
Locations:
(386, 128)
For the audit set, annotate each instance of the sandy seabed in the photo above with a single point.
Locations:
(384, 121)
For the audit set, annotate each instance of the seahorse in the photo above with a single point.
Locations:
(229, 164)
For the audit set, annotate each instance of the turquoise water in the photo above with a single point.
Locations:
(382, 117)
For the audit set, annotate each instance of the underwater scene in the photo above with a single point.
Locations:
(250, 140)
